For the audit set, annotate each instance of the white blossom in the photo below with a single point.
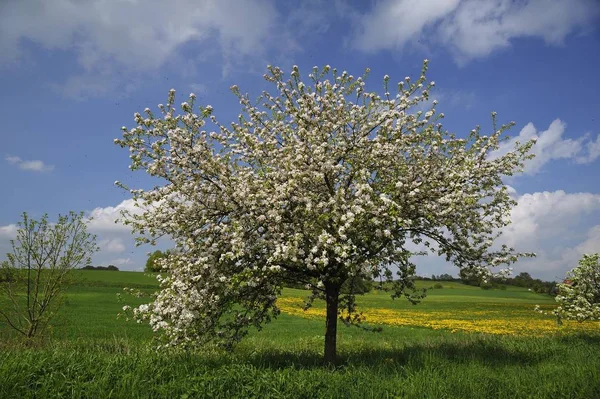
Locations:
(579, 295)
(311, 185)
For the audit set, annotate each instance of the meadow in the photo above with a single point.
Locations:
(460, 342)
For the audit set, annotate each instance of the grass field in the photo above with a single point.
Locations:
(460, 342)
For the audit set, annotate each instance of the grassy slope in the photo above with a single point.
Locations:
(95, 355)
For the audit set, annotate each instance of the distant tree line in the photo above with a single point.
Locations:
(523, 280)
(441, 277)
(109, 267)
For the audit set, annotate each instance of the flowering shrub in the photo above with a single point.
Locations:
(318, 184)
(579, 295)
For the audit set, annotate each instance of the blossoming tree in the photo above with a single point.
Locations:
(318, 183)
(579, 298)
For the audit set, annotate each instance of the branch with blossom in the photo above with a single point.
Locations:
(579, 295)
(318, 183)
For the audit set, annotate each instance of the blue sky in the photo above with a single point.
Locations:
(74, 72)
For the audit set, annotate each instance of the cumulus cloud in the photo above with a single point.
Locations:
(115, 237)
(8, 231)
(112, 245)
(32, 165)
(391, 24)
(121, 262)
(550, 145)
(559, 227)
(472, 28)
(591, 244)
(590, 151)
(542, 215)
(107, 219)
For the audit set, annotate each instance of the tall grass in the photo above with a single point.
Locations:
(442, 367)
(91, 354)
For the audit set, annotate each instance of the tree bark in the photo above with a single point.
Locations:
(332, 294)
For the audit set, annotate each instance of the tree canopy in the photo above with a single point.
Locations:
(152, 264)
(317, 183)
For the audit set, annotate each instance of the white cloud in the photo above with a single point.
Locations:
(33, 165)
(550, 145)
(117, 238)
(591, 244)
(391, 24)
(121, 262)
(472, 28)
(543, 215)
(453, 98)
(106, 220)
(8, 231)
(556, 226)
(136, 34)
(559, 227)
(111, 38)
(511, 190)
(112, 245)
(591, 151)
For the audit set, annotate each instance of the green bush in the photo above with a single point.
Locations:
(359, 285)
(486, 286)
(438, 286)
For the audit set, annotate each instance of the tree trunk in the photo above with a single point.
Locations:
(332, 294)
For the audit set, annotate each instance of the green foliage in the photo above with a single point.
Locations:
(357, 285)
(469, 278)
(109, 267)
(152, 266)
(39, 269)
(538, 286)
(438, 286)
(523, 280)
(486, 286)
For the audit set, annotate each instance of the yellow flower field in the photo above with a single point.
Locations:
(517, 321)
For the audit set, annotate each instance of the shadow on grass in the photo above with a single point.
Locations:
(488, 353)
(581, 339)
